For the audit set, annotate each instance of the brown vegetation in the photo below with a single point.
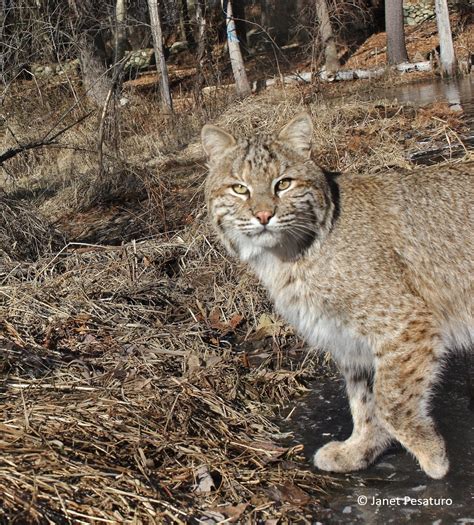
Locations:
(143, 375)
(421, 41)
(141, 369)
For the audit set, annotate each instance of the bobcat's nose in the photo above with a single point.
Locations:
(264, 216)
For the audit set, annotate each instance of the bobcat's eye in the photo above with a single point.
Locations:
(240, 189)
(282, 184)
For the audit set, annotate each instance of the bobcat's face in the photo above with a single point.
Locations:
(264, 193)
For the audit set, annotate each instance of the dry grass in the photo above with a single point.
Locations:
(24, 233)
(140, 366)
(126, 369)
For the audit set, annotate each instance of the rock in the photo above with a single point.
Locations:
(179, 47)
(138, 59)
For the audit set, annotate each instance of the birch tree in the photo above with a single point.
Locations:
(202, 46)
(331, 60)
(396, 49)
(446, 48)
(241, 82)
(120, 43)
(162, 69)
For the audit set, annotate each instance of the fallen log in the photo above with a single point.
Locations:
(325, 76)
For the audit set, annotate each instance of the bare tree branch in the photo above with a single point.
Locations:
(12, 152)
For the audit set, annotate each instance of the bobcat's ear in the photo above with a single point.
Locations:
(298, 134)
(215, 140)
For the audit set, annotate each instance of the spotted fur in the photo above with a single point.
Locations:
(375, 269)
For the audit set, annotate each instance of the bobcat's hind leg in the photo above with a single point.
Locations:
(407, 368)
(369, 437)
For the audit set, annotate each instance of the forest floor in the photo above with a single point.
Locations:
(144, 377)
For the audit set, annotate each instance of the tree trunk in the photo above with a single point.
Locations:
(276, 19)
(396, 49)
(120, 31)
(241, 82)
(264, 17)
(202, 47)
(302, 16)
(157, 34)
(93, 69)
(205, 76)
(203, 51)
(109, 127)
(92, 52)
(331, 61)
(185, 25)
(3, 17)
(446, 48)
(238, 7)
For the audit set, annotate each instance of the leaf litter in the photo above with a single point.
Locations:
(140, 382)
(123, 399)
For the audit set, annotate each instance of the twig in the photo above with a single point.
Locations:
(12, 152)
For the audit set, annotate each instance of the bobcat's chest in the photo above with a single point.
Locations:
(310, 313)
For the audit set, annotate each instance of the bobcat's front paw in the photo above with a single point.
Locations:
(343, 456)
(436, 468)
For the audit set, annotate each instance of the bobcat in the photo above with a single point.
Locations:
(375, 269)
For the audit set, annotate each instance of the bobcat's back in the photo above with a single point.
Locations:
(425, 221)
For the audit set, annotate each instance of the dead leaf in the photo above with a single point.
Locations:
(235, 321)
(215, 319)
(213, 361)
(224, 326)
(289, 493)
(245, 360)
(232, 512)
(193, 363)
(89, 339)
(211, 518)
(267, 327)
(204, 482)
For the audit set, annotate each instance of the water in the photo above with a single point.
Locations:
(458, 93)
(324, 414)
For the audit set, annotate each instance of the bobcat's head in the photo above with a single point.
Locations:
(265, 193)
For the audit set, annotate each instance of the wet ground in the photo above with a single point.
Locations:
(385, 492)
(324, 416)
(458, 93)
